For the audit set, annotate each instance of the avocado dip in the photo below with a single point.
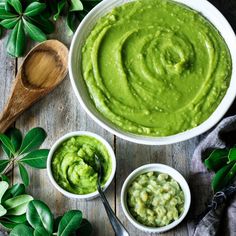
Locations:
(155, 199)
(73, 164)
(156, 67)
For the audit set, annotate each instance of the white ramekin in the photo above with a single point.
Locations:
(162, 169)
(80, 89)
(57, 144)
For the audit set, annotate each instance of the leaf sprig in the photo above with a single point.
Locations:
(74, 10)
(14, 202)
(25, 216)
(31, 18)
(23, 152)
(24, 18)
(223, 163)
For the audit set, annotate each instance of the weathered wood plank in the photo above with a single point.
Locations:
(59, 113)
(7, 74)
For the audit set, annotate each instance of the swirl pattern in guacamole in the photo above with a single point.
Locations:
(156, 67)
(73, 164)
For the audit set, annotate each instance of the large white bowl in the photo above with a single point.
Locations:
(162, 169)
(79, 86)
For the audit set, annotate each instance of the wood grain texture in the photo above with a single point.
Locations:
(7, 74)
(60, 113)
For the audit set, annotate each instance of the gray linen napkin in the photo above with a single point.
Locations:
(222, 220)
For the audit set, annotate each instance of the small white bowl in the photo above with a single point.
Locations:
(80, 89)
(57, 144)
(162, 169)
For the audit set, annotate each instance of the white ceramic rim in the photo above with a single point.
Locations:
(74, 134)
(163, 169)
(207, 10)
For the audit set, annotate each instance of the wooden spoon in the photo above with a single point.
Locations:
(43, 69)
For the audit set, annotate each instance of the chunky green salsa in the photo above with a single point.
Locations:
(155, 67)
(73, 164)
(155, 199)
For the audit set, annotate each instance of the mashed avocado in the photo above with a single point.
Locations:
(155, 199)
(73, 164)
(155, 67)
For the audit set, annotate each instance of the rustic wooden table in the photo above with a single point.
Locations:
(60, 113)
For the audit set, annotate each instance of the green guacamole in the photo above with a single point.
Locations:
(155, 67)
(73, 164)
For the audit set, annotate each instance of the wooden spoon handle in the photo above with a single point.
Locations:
(6, 120)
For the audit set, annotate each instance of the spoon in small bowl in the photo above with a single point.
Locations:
(43, 69)
(117, 226)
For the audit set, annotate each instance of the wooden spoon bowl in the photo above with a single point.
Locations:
(43, 69)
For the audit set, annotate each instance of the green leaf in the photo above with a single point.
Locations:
(6, 15)
(16, 42)
(16, 139)
(39, 215)
(40, 231)
(9, 23)
(60, 6)
(15, 190)
(217, 159)
(16, 219)
(3, 211)
(224, 177)
(1, 31)
(70, 222)
(34, 9)
(34, 32)
(37, 158)
(33, 140)
(22, 230)
(8, 7)
(76, 5)
(4, 178)
(232, 155)
(41, 22)
(85, 228)
(56, 223)
(7, 224)
(17, 205)
(72, 21)
(7, 143)
(3, 188)
(16, 5)
(3, 165)
(24, 174)
(15, 136)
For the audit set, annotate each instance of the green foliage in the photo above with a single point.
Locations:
(23, 151)
(31, 18)
(16, 15)
(40, 216)
(25, 216)
(69, 223)
(13, 204)
(24, 174)
(17, 205)
(74, 10)
(223, 163)
(22, 230)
